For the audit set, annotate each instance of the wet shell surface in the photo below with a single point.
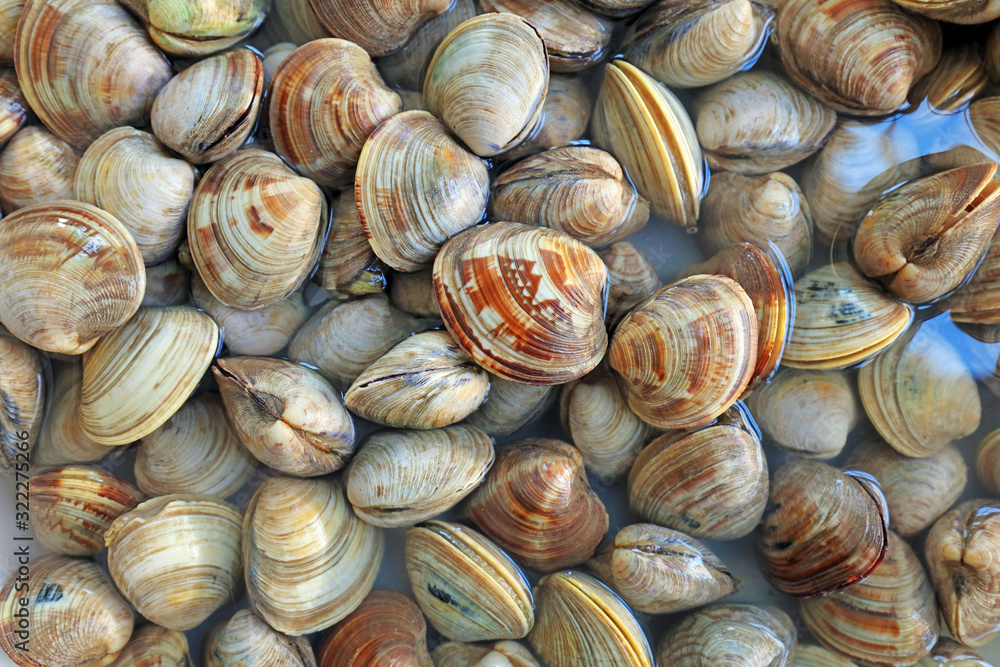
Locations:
(687, 353)
(960, 77)
(564, 120)
(35, 167)
(74, 505)
(632, 278)
(70, 273)
(153, 646)
(407, 67)
(22, 399)
(504, 653)
(348, 265)
(526, 303)
(826, 529)
(659, 571)
(947, 652)
(13, 107)
(537, 504)
(195, 27)
(61, 438)
(400, 478)
(379, 28)
(962, 11)
(468, 588)
(77, 618)
(387, 628)
(716, 634)
(511, 405)
(978, 300)
(245, 639)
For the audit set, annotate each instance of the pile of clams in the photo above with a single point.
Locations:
(500, 333)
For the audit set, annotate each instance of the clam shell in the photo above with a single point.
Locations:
(80, 620)
(565, 115)
(325, 99)
(581, 623)
(960, 11)
(757, 635)
(710, 484)
(841, 320)
(961, 558)
(917, 491)
(645, 126)
(71, 69)
(811, 655)
(129, 174)
(61, 438)
(207, 111)
(414, 294)
(255, 229)
(526, 303)
(35, 167)
(687, 353)
(22, 395)
(988, 461)
(199, 27)
(74, 505)
(468, 588)
(692, 44)
(176, 557)
(309, 560)
(195, 451)
(294, 21)
(426, 381)
(415, 188)
(378, 27)
(809, 413)
(504, 653)
(274, 55)
(119, 404)
(10, 12)
(978, 300)
(245, 639)
(578, 190)
(632, 278)
(387, 629)
(13, 107)
(348, 266)
(71, 273)
(827, 529)
(658, 571)
(960, 77)
(407, 67)
(153, 646)
(951, 653)
(487, 82)
(511, 405)
(400, 478)
(537, 504)
(757, 122)
(167, 284)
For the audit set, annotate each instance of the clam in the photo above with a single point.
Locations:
(10, 12)
(768, 284)
(645, 126)
(119, 403)
(526, 303)
(692, 44)
(811, 655)
(711, 483)
(348, 266)
(579, 622)
(890, 618)
(858, 57)
(22, 397)
(324, 101)
(129, 174)
(511, 405)
(75, 615)
(416, 187)
(35, 167)
(262, 331)
(207, 111)
(574, 37)
(757, 122)
(761, 210)
(978, 300)
(72, 273)
(13, 107)
(922, 239)
(750, 635)
(960, 11)
(537, 504)
(596, 416)
(825, 530)
(917, 491)
(287, 415)
(487, 81)
(61, 438)
(167, 284)
(960, 77)
(407, 67)
(255, 229)
(73, 69)
(919, 394)
(176, 557)
(379, 28)
(632, 279)
(988, 461)
(468, 588)
(841, 320)
(400, 478)
(504, 653)
(414, 293)
(961, 552)
(309, 560)
(74, 505)
(199, 27)
(578, 190)
(809, 413)
(948, 652)
(274, 55)
(153, 646)
(687, 353)
(294, 21)
(387, 629)
(343, 339)
(565, 115)
(195, 451)
(245, 639)
(426, 381)
(659, 571)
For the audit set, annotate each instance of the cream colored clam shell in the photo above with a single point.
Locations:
(153, 646)
(35, 167)
(245, 639)
(510, 405)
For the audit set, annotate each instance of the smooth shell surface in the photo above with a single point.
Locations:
(733, 633)
(504, 653)
(988, 461)
(978, 300)
(407, 67)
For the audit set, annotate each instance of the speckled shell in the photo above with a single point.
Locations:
(526, 303)
(407, 67)
(13, 107)
(378, 27)
(246, 641)
(153, 646)
(35, 167)
(348, 266)
(763, 636)
(387, 629)
(23, 396)
(197, 28)
(511, 405)
(632, 278)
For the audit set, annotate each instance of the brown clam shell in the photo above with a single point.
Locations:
(960, 77)
(61, 438)
(35, 167)
(632, 278)
(245, 639)
(407, 67)
(377, 27)
(153, 646)
(387, 629)
(565, 115)
(988, 461)
(511, 405)
(414, 294)
(348, 266)
(10, 12)
(978, 300)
